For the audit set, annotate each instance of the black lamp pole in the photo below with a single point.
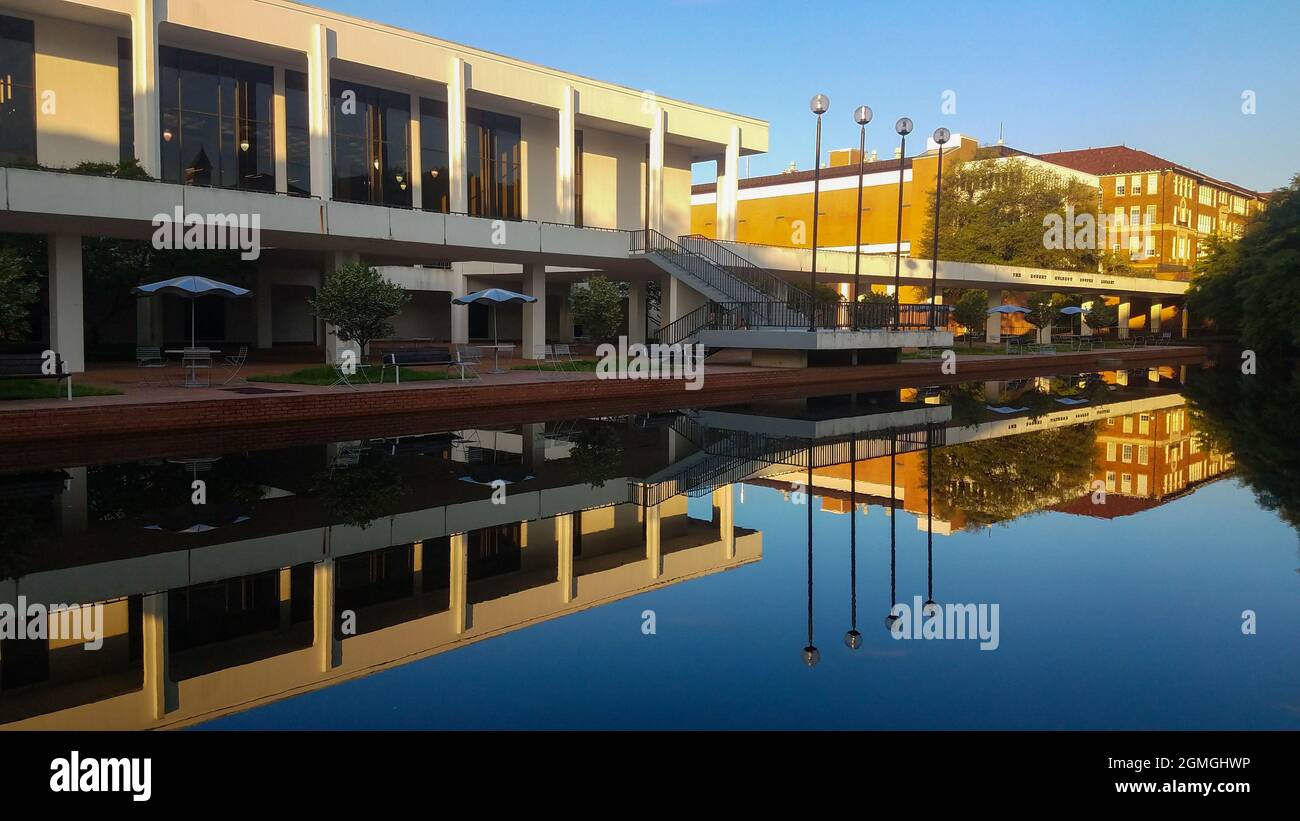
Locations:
(811, 655)
(819, 105)
(903, 127)
(862, 115)
(941, 136)
(853, 639)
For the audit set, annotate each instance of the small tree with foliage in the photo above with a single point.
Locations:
(971, 311)
(18, 291)
(597, 305)
(359, 303)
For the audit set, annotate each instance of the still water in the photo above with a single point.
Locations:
(1106, 550)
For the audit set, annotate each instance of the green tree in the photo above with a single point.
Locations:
(1043, 308)
(359, 303)
(18, 292)
(971, 312)
(1100, 315)
(597, 305)
(995, 212)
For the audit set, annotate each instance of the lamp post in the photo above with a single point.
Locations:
(862, 116)
(811, 655)
(941, 136)
(853, 639)
(819, 105)
(903, 127)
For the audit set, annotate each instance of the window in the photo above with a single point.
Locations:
(1144, 424)
(1144, 454)
(1142, 484)
(1149, 246)
(1152, 183)
(1205, 196)
(216, 121)
(1126, 483)
(1110, 481)
(435, 159)
(17, 91)
(371, 144)
(1127, 455)
(297, 127)
(577, 178)
(125, 102)
(1205, 224)
(1119, 186)
(493, 153)
(1149, 217)
(1135, 185)
(1110, 449)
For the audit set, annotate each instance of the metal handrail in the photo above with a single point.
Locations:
(694, 259)
(739, 267)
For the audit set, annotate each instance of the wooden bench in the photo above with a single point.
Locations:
(32, 366)
(436, 355)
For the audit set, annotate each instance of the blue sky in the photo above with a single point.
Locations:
(1162, 76)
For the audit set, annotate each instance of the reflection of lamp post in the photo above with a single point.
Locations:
(930, 608)
(862, 116)
(892, 618)
(853, 639)
(819, 105)
(811, 655)
(941, 136)
(903, 127)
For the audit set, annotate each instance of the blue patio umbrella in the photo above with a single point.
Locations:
(1073, 310)
(1008, 309)
(494, 297)
(191, 288)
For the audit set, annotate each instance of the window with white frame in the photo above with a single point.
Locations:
(1152, 183)
(1135, 185)
(1119, 186)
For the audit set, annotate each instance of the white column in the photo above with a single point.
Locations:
(325, 643)
(1084, 328)
(728, 189)
(566, 164)
(318, 101)
(414, 174)
(1123, 317)
(565, 331)
(1156, 308)
(459, 583)
(993, 326)
(1186, 318)
(653, 546)
(144, 86)
(655, 170)
(564, 525)
(281, 135)
(154, 634)
(456, 133)
(534, 329)
(67, 317)
(262, 297)
(723, 500)
(636, 304)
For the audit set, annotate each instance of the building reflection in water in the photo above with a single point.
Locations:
(312, 566)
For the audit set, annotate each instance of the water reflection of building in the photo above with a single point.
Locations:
(201, 624)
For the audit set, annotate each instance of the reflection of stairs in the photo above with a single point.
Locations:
(740, 293)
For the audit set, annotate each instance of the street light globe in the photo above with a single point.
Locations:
(819, 104)
(930, 609)
(903, 126)
(942, 135)
(862, 115)
(811, 655)
(853, 639)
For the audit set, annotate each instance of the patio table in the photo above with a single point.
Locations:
(192, 381)
(496, 354)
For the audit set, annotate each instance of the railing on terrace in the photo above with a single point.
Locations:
(744, 270)
(697, 261)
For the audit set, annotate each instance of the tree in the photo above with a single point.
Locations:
(1043, 308)
(359, 303)
(971, 311)
(597, 305)
(1100, 314)
(996, 213)
(1249, 287)
(18, 292)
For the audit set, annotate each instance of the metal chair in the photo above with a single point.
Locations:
(545, 354)
(236, 364)
(195, 360)
(148, 359)
(565, 354)
(469, 357)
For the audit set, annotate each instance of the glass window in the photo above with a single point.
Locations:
(372, 130)
(435, 161)
(216, 121)
(17, 92)
(125, 102)
(297, 127)
(492, 149)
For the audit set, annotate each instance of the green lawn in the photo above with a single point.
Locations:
(588, 365)
(324, 375)
(48, 389)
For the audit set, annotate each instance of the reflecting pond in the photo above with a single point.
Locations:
(1092, 550)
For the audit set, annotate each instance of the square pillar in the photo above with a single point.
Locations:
(149, 321)
(281, 135)
(636, 312)
(318, 112)
(325, 641)
(160, 693)
(728, 188)
(459, 589)
(1125, 307)
(415, 173)
(564, 545)
(566, 164)
(1154, 324)
(723, 502)
(993, 326)
(262, 300)
(1183, 314)
(67, 316)
(457, 85)
(653, 546)
(144, 86)
(534, 329)
(655, 170)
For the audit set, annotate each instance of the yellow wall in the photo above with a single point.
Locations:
(79, 65)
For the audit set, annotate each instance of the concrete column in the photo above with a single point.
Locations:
(655, 170)
(334, 347)
(636, 308)
(566, 163)
(417, 568)
(318, 102)
(286, 597)
(1185, 316)
(281, 135)
(534, 328)
(457, 85)
(159, 693)
(728, 188)
(144, 86)
(565, 332)
(1154, 324)
(67, 316)
(1123, 317)
(534, 445)
(724, 502)
(459, 600)
(148, 321)
(1084, 328)
(74, 503)
(325, 641)
(564, 545)
(262, 299)
(415, 173)
(993, 326)
(653, 547)
(993, 391)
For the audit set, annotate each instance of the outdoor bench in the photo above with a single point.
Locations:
(439, 355)
(32, 366)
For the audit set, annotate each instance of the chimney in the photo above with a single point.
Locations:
(873, 155)
(898, 153)
(791, 168)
